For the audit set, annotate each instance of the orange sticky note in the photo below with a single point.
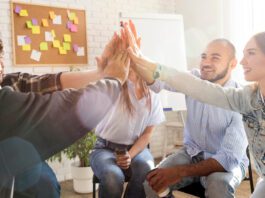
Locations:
(53, 33)
(52, 15)
(45, 23)
(76, 20)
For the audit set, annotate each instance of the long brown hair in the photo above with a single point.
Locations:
(126, 98)
(260, 41)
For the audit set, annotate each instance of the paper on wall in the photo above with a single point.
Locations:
(21, 40)
(81, 51)
(35, 55)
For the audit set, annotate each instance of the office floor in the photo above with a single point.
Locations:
(243, 191)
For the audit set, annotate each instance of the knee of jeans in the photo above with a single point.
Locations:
(112, 181)
(218, 184)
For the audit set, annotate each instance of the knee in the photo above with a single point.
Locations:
(112, 183)
(218, 185)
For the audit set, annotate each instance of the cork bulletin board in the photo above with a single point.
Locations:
(45, 35)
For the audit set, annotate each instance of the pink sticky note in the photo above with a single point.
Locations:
(17, 9)
(75, 47)
(27, 40)
(34, 22)
(73, 28)
(69, 25)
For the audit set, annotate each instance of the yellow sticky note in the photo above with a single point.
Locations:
(35, 29)
(52, 15)
(29, 24)
(72, 16)
(26, 47)
(62, 50)
(56, 43)
(75, 20)
(66, 46)
(23, 13)
(43, 46)
(67, 37)
(53, 33)
(45, 23)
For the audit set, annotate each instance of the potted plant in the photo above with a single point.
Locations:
(81, 171)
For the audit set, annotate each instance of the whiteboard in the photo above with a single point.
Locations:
(162, 41)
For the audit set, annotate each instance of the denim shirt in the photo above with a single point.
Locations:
(213, 131)
(246, 100)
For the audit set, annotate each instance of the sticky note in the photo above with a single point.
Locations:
(35, 55)
(26, 47)
(21, 40)
(45, 23)
(53, 33)
(66, 46)
(34, 22)
(73, 28)
(17, 9)
(43, 46)
(62, 50)
(67, 37)
(71, 16)
(35, 29)
(27, 39)
(29, 24)
(76, 20)
(23, 13)
(69, 24)
(81, 51)
(57, 20)
(75, 47)
(52, 15)
(48, 36)
(56, 43)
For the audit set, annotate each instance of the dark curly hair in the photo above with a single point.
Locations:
(1, 47)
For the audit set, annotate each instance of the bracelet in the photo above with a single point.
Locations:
(157, 72)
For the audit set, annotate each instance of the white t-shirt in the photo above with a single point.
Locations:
(121, 127)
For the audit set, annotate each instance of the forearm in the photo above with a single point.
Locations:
(203, 168)
(79, 79)
(140, 144)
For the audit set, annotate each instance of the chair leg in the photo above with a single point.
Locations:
(250, 173)
(94, 190)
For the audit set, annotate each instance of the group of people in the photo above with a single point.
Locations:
(222, 120)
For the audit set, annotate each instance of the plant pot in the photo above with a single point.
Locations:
(82, 178)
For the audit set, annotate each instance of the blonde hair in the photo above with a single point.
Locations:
(126, 98)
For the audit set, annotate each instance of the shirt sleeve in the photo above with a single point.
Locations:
(157, 115)
(24, 82)
(230, 154)
(52, 122)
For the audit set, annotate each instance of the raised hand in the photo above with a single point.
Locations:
(143, 66)
(118, 66)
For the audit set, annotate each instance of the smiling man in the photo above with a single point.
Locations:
(209, 154)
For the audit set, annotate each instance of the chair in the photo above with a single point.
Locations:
(198, 190)
(95, 180)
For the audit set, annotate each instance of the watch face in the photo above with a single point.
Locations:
(156, 75)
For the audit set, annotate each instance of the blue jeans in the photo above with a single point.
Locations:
(111, 176)
(217, 185)
(45, 186)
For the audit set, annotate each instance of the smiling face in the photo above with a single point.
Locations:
(217, 61)
(253, 61)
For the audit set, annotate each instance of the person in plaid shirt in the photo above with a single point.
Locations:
(46, 184)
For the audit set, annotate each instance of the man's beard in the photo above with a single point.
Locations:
(219, 76)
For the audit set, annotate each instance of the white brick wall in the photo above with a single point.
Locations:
(102, 21)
